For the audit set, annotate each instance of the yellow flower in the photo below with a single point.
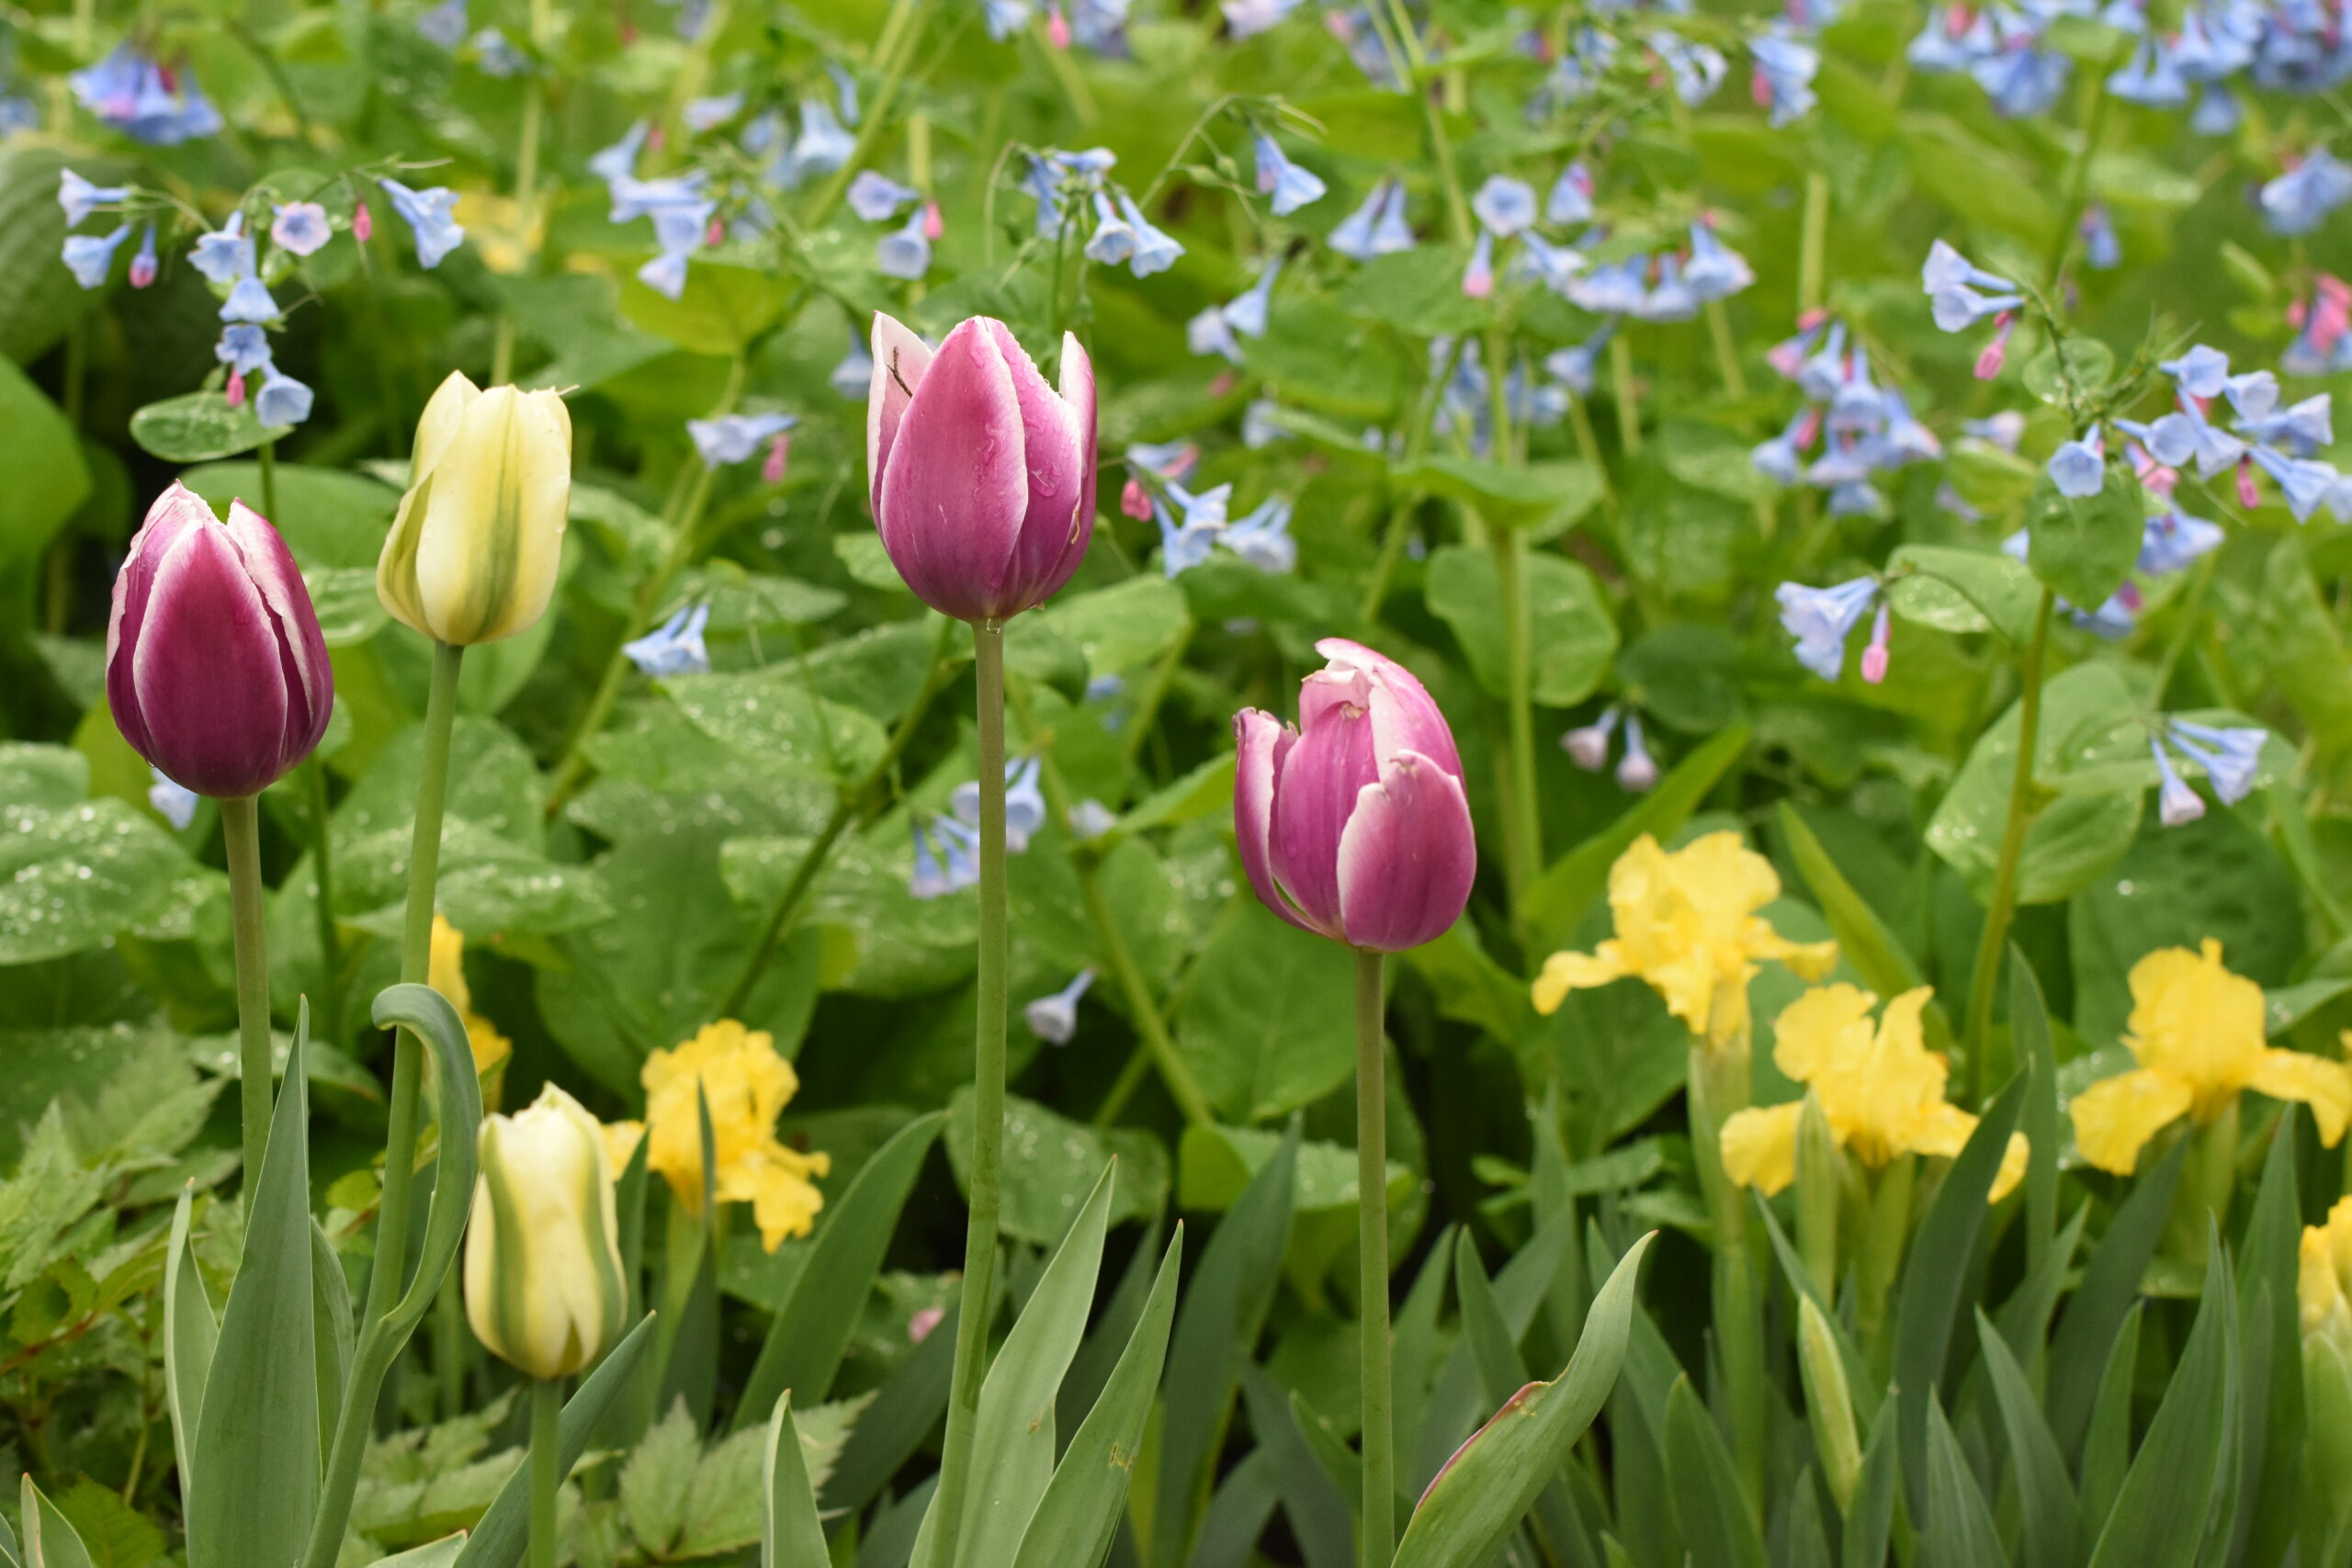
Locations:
(1686, 924)
(1881, 1090)
(747, 1085)
(2197, 1030)
(2325, 1285)
(447, 976)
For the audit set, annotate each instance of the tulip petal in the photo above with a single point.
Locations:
(175, 512)
(899, 360)
(1055, 444)
(209, 676)
(1260, 743)
(494, 505)
(2115, 1117)
(302, 648)
(1405, 718)
(955, 484)
(1408, 856)
(444, 416)
(1760, 1146)
(1316, 789)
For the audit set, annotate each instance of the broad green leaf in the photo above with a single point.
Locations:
(1555, 905)
(2110, 1288)
(811, 1330)
(51, 1539)
(1934, 1276)
(190, 1332)
(1049, 1160)
(1266, 1021)
(40, 301)
(201, 427)
(499, 1539)
(1120, 627)
(327, 517)
(789, 1533)
(258, 1443)
(2045, 1496)
(1960, 1532)
(1014, 1439)
(1486, 1488)
(1545, 498)
(2068, 370)
(1216, 1330)
(2084, 547)
(2074, 838)
(1080, 1511)
(72, 878)
(2033, 1050)
(2188, 1461)
(442, 1553)
(48, 777)
(1206, 791)
(1957, 590)
(722, 309)
(1571, 635)
(653, 1487)
(48, 478)
(1418, 292)
(771, 714)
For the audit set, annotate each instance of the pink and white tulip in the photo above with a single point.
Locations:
(215, 671)
(1355, 826)
(982, 476)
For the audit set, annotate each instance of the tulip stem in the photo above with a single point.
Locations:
(2002, 904)
(241, 827)
(546, 1468)
(269, 455)
(988, 1104)
(1379, 1532)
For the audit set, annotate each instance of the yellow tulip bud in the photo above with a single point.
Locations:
(474, 547)
(543, 1261)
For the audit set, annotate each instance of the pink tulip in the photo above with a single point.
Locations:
(1355, 826)
(215, 668)
(982, 476)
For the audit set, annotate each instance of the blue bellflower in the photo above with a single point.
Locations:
(1821, 619)
(1291, 185)
(428, 215)
(736, 437)
(674, 647)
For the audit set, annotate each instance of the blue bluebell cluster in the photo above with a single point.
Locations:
(680, 207)
(1822, 619)
(227, 258)
(1864, 428)
(145, 100)
(2276, 441)
(1260, 537)
(2229, 757)
(1962, 294)
(1588, 747)
(1098, 26)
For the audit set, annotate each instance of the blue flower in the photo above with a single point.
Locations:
(1376, 228)
(142, 265)
(2172, 539)
(1784, 68)
(953, 866)
(2101, 249)
(226, 254)
(427, 213)
(300, 227)
(2200, 372)
(132, 93)
(1005, 17)
(1183, 548)
(2217, 112)
(1822, 618)
(709, 114)
(1090, 820)
(619, 161)
(282, 401)
(2299, 200)
(2176, 803)
(2302, 429)
(79, 197)
(1504, 206)
(844, 90)
(174, 802)
(90, 256)
(674, 647)
(244, 348)
(1155, 251)
(1210, 331)
(1697, 69)
(1262, 536)
(1478, 277)
(876, 197)
(666, 274)
(2151, 79)
(250, 301)
(1615, 290)
(1054, 1019)
(1114, 240)
(854, 377)
(1025, 803)
(444, 24)
(905, 253)
(1588, 745)
(2023, 82)
(736, 437)
(1955, 39)
(1570, 197)
(822, 146)
(1671, 298)
(1637, 771)
(2306, 483)
(1538, 260)
(2230, 757)
(496, 57)
(1260, 428)
(1782, 459)
(1904, 437)
(1247, 18)
(1246, 314)
(1715, 271)
(2079, 466)
(1291, 185)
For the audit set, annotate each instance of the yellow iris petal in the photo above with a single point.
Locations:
(1760, 1146)
(2325, 1086)
(1566, 972)
(738, 1073)
(2115, 1117)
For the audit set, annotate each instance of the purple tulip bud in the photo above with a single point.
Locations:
(215, 668)
(982, 476)
(1355, 826)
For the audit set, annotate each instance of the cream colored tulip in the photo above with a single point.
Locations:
(544, 1289)
(474, 547)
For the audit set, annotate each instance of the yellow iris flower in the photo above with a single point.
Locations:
(447, 975)
(2197, 1030)
(1881, 1088)
(2324, 1286)
(747, 1085)
(1686, 924)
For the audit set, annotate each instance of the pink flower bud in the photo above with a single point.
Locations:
(1057, 27)
(1989, 364)
(934, 225)
(1223, 385)
(236, 389)
(2248, 497)
(779, 450)
(925, 1319)
(215, 671)
(715, 234)
(362, 225)
(1135, 500)
(981, 474)
(1874, 657)
(1355, 826)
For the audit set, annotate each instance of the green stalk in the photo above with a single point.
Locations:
(894, 50)
(786, 916)
(988, 1104)
(1620, 381)
(570, 767)
(1814, 244)
(241, 827)
(2070, 216)
(1726, 350)
(449, 1346)
(1182, 1087)
(1719, 1086)
(547, 1467)
(382, 1334)
(269, 482)
(1525, 841)
(322, 869)
(2004, 902)
(1379, 1534)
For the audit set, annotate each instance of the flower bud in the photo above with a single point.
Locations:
(1355, 825)
(474, 547)
(215, 668)
(1829, 1404)
(982, 476)
(543, 1261)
